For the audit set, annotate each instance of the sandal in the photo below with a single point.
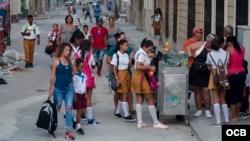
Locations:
(233, 120)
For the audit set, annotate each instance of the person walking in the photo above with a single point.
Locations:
(199, 75)
(61, 87)
(79, 84)
(121, 63)
(76, 18)
(157, 25)
(66, 30)
(52, 37)
(99, 36)
(219, 101)
(97, 12)
(31, 35)
(237, 76)
(88, 13)
(112, 30)
(141, 87)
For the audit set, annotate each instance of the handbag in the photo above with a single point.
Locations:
(200, 66)
(49, 49)
(112, 78)
(153, 83)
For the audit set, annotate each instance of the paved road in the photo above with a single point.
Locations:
(21, 100)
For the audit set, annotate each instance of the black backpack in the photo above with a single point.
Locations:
(47, 118)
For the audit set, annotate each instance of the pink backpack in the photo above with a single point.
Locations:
(90, 82)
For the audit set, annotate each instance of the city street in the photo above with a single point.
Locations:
(22, 97)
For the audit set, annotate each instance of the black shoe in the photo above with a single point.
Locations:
(80, 131)
(27, 65)
(84, 118)
(74, 124)
(129, 118)
(2, 81)
(119, 116)
(31, 65)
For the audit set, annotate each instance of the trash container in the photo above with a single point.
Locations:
(172, 93)
(2, 43)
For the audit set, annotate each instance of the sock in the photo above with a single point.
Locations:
(157, 38)
(89, 113)
(217, 112)
(225, 112)
(78, 126)
(139, 113)
(152, 111)
(74, 118)
(118, 108)
(125, 108)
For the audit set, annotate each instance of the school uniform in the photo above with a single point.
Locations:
(139, 86)
(79, 84)
(123, 73)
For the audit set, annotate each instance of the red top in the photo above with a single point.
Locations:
(236, 61)
(98, 35)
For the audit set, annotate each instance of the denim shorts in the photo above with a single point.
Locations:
(66, 94)
(98, 54)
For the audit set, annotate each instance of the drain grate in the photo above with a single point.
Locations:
(39, 90)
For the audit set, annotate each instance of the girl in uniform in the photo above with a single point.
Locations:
(141, 87)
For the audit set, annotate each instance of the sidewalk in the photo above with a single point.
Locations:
(201, 126)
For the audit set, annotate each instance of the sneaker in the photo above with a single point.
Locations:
(69, 135)
(84, 118)
(129, 118)
(92, 122)
(160, 126)
(208, 114)
(80, 131)
(243, 115)
(31, 65)
(98, 73)
(198, 113)
(119, 116)
(74, 124)
(142, 125)
(26, 65)
(216, 124)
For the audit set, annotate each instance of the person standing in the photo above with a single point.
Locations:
(237, 76)
(76, 18)
(61, 87)
(99, 36)
(66, 30)
(121, 63)
(31, 34)
(88, 13)
(218, 93)
(157, 25)
(112, 30)
(142, 88)
(97, 12)
(228, 31)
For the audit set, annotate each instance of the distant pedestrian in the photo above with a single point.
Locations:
(31, 34)
(88, 13)
(97, 12)
(52, 38)
(228, 31)
(61, 87)
(141, 87)
(99, 36)
(157, 25)
(218, 93)
(79, 83)
(76, 18)
(86, 33)
(121, 63)
(66, 30)
(112, 30)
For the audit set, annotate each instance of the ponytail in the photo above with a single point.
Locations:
(119, 44)
(146, 43)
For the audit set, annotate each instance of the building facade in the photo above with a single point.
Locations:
(180, 16)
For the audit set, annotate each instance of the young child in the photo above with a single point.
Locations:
(79, 83)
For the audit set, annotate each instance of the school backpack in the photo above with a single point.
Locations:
(47, 118)
(220, 77)
(27, 25)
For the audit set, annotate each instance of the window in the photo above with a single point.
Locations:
(241, 13)
(207, 17)
(166, 23)
(175, 20)
(191, 18)
(219, 17)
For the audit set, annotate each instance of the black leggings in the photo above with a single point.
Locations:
(235, 93)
